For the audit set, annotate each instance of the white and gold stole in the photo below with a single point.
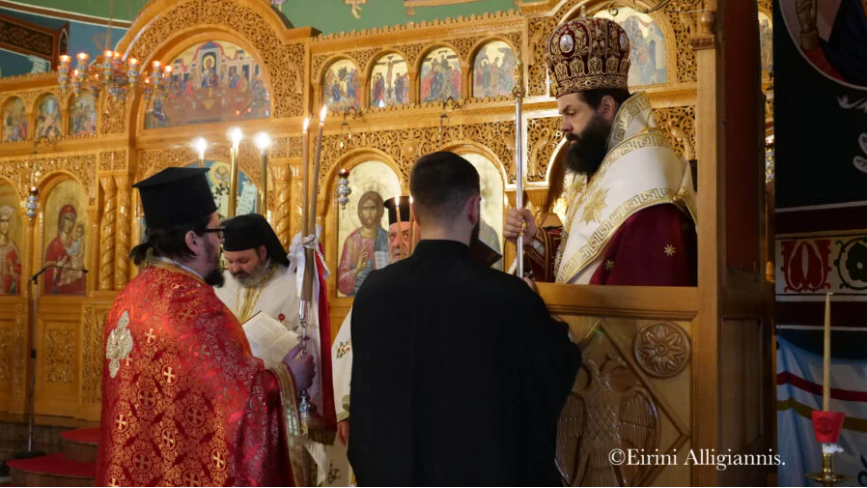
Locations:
(640, 170)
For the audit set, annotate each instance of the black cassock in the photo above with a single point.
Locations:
(458, 377)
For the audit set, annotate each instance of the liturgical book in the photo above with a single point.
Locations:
(269, 339)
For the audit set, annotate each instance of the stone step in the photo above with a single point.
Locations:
(51, 470)
(80, 445)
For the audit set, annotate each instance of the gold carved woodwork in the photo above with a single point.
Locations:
(283, 61)
(543, 137)
(404, 146)
(93, 353)
(678, 124)
(106, 235)
(20, 352)
(122, 235)
(285, 147)
(662, 350)
(282, 205)
(614, 404)
(60, 353)
(6, 353)
(112, 161)
(112, 116)
(93, 249)
(81, 166)
(153, 161)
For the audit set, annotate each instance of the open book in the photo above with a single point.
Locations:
(269, 339)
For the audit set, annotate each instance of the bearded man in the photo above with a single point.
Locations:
(184, 401)
(401, 241)
(630, 197)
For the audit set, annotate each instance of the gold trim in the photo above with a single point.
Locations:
(433, 3)
(603, 233)
(642, 140)
(633, 106)
(174, 268)
(293, 436)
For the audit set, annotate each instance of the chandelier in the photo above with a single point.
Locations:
(110, 72)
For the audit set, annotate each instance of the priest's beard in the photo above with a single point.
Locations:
(252, 279)
(215, 276)
(587, 150)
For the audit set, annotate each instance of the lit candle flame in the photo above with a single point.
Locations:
(133, 61)
(262, 141)
(235, 136)
(107, 54)
(322, 114)
(306, 124)
(64, 59)
(200, 144)
(156, 65)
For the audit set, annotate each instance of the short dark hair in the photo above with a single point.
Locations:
(440, 184)
(168, 242)
(594, 97)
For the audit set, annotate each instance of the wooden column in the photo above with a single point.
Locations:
(106, 234)
(282, 174)
(122, 236)
(705, 379)
(296, 195)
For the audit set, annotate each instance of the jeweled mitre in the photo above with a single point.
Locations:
(586, 54)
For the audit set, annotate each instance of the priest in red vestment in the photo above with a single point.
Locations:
(184, 402)
(630, 200)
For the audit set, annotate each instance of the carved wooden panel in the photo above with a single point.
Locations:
(543, 137)
(678, 124)
(407, 145)
(7, 356)
(81, 166)
(615, 404)
(93, 352)
(60, 354)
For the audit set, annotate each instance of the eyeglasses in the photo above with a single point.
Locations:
(219, 231)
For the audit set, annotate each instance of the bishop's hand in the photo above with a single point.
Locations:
(303, 369)
(515, 225)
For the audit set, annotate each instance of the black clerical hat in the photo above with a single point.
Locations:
(390, 204)
(176, 196)
(251, 231)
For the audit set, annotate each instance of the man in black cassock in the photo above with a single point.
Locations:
(459, 372)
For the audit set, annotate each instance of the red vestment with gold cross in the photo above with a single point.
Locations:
(184, 402)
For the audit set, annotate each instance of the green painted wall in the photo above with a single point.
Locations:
(329, 16)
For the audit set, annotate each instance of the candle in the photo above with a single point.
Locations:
(399, 227)
(316, 162)
(305, 174)
(235, 135)
(199, 144)
(826, 381)
(411, 227)
(263, 142)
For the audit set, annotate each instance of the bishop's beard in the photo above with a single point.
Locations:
(587, 150)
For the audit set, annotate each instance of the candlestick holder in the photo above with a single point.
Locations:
(827, 477)
(827, 426)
